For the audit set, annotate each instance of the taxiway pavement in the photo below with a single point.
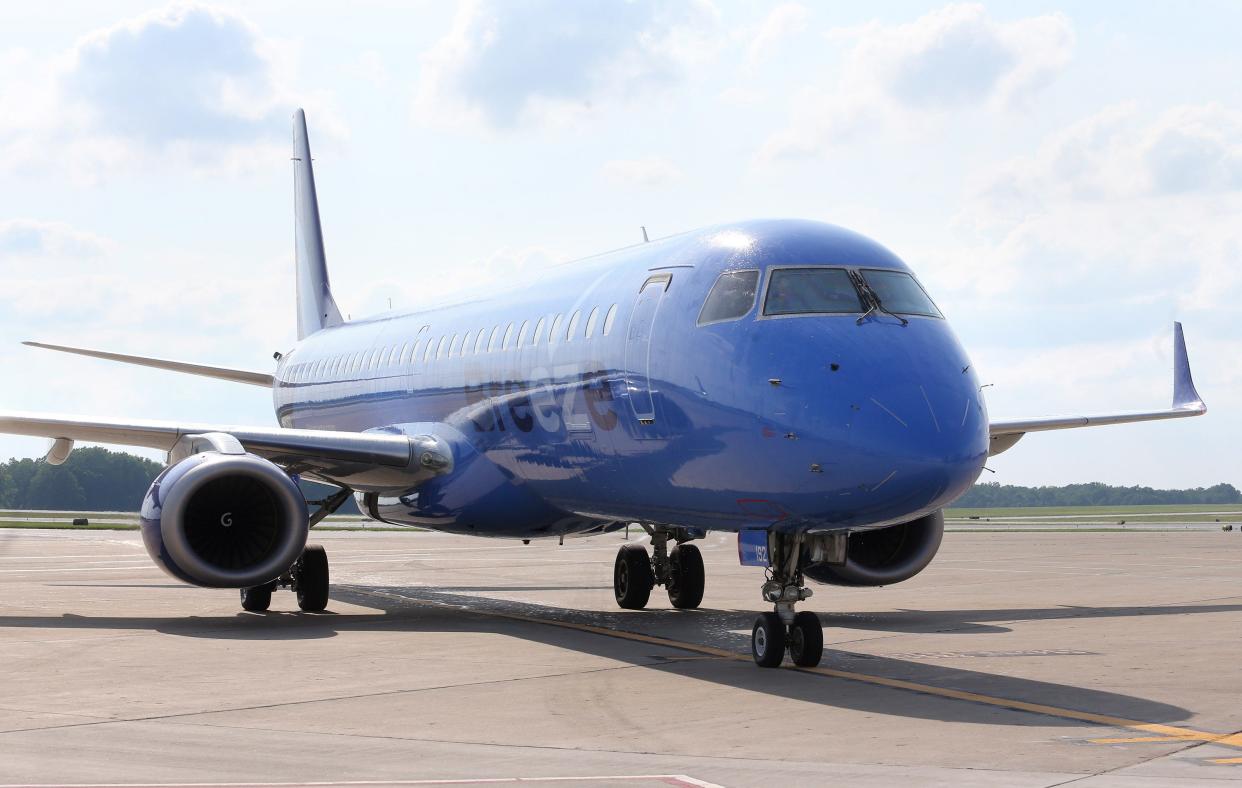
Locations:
(1027, 659)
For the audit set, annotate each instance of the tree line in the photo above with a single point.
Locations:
(95, 480)
(992, 494)
(99, 480)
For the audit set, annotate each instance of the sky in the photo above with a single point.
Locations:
(1065, 179)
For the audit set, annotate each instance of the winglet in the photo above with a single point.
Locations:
(1184, 395)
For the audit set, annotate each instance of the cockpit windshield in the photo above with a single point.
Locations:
(900, 293)
(803, 291)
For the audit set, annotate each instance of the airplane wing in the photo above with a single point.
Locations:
(355, 459)
(1186, 402)
(220, 373)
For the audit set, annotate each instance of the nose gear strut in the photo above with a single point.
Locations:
(785, 629)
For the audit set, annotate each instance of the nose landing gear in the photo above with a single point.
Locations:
(784, 629)
(679, 570)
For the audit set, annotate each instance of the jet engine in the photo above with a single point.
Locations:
(224, 520)
(884, 556)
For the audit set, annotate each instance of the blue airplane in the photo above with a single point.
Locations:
(790, 381)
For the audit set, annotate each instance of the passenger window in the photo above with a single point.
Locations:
(573, 324)
(900, 292)
(731, 297)
(504, 345)
(811, 291)
(590, 326)
(554, 331)
(609, 319)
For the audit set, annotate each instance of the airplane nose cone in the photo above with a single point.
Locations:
(911, 433)
(925, 439)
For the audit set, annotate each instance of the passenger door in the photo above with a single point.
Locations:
(638, 346)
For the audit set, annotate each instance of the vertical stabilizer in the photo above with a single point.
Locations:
(316, 307)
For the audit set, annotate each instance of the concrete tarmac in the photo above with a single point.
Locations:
(1027, 659)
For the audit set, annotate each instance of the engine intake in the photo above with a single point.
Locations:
(224, 520)
(884, 556)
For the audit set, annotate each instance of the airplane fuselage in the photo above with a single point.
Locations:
(598, 395)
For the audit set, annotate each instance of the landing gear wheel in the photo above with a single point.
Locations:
(685, 588)
(310, 579)
(767, 640)
(632, 578)
(257, 599)
(806, 640)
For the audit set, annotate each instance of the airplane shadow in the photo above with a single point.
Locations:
(422, 609)
(979, 621)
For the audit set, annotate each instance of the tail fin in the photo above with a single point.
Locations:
(316, 307)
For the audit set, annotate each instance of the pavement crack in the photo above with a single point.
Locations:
(331, 699)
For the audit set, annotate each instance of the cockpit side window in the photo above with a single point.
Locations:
(811, 291)
(731, 297)
(899, 292)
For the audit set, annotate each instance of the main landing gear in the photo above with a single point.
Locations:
(783, 629)
(679, 570)
(308, 578)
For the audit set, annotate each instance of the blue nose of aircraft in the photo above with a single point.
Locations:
(894, 413)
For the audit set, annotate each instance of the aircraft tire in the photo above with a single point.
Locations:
(806, 640)
(767, 640)
(685, 590)
(311, 575)
(632, 578)
(257, 599)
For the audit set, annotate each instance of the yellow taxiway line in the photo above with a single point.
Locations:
(1162, 733)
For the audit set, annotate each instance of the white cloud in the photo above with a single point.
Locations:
(782, 22)
(1109, 221)
(504, 63)
(499, 269)
(26, 239)
(949, 60)
(1118, 154)
(189, 84)
(649, 171)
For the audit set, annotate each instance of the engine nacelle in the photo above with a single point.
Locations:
(224, 520)
(884, 556)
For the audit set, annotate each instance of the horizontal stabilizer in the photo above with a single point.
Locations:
(1186, 402)
(219, 373)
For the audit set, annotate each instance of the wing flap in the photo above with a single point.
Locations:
(1186, 402)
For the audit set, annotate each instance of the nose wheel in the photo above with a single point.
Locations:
(783, 630)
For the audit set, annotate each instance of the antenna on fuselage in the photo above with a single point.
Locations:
(646, 240)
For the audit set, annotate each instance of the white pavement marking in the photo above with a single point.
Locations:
(668, 779)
